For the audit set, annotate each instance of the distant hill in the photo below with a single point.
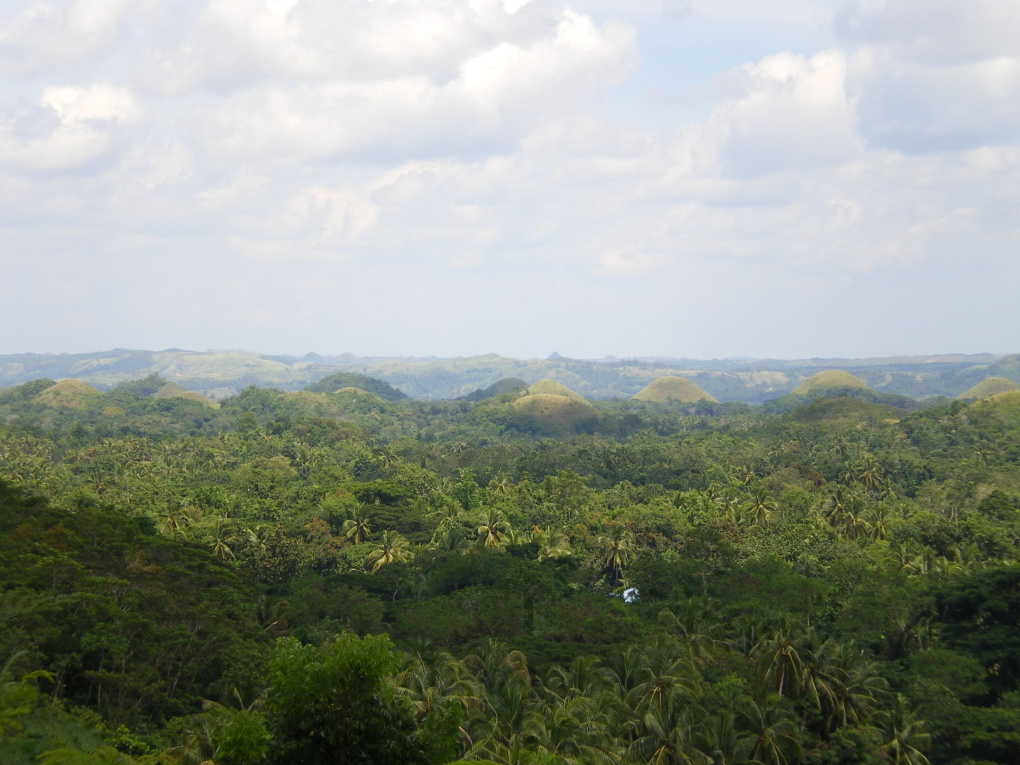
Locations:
(68, 394)
(829, 380)
(173, 390)
(500, 387)
(667, 389)
(989, 387)
(218, 374)
(341, 380)
(557, 413)
(553, 388)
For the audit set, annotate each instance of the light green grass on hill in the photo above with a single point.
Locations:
(830, 379)
(667, 389)
(173, 390)
(68, 394)
(1006, 404)
(989, 387)
(553, 388)
(556, 411)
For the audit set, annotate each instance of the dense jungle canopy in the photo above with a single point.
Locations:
(344, 575)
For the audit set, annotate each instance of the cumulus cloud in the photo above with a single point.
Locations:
(69, 127)
(432, 142)
(934, 75)
(792, 113)
(46, 36)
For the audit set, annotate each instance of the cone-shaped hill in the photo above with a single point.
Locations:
(667, 389)
(68, 394)
(342, 380)
(1006, 404)
(990, 386)
(173, 390)
(829, 380)
(553, 388)
(498, 388)
(556, 412)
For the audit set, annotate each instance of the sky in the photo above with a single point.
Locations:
(683, 178)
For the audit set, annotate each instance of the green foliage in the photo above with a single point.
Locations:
(335, 382)
(828, 585)
(332, 704)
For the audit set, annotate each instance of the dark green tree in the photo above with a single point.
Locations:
(335, 704)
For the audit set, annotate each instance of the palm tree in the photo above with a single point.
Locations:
(357, 528)
(434, 682)
(877, 517)
(392, 547)
(761, 508)
(867, 472)
(583, 677)
(662, 669)
(502, 486)
(780, 666)
(617, 549)
(728, 502)
(174, 520)
(222, 535)
(552, 543)
(774, 732)
(903, 734)
(664, 734)
(692, 625)
(494, 531)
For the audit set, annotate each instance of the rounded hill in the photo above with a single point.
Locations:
(553, 388)
(557, 412)
(68, 394)
(829, 380)
(498, 388)
(342, 380)
(990, 386)
(173, 390)
(667, 389)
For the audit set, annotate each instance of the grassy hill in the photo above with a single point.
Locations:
(989, 387)
(556, 413)
(173, 390)
(500, 387)
(667, 389)
(218, 374)
(68, 394)
(553, 388)
(348, 380)
(829, 380)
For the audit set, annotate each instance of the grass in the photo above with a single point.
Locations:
(173, 390)
(555, 411)
(830, 379)
(667, 389)
(68, 394)
(989, 387)
(553, 388)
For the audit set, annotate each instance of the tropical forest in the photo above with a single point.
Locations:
(516, 572)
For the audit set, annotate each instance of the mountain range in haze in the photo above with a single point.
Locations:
(218, 374)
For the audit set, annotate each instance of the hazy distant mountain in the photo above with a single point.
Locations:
(221, 373)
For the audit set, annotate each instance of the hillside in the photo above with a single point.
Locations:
(669, 389)
(219, 374)
(829, 380)
(989, 387)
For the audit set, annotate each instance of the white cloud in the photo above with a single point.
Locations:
(935, 75)
(58, 36)
(793, 114)
(68, 128)
(462, 146)
(485, 101)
